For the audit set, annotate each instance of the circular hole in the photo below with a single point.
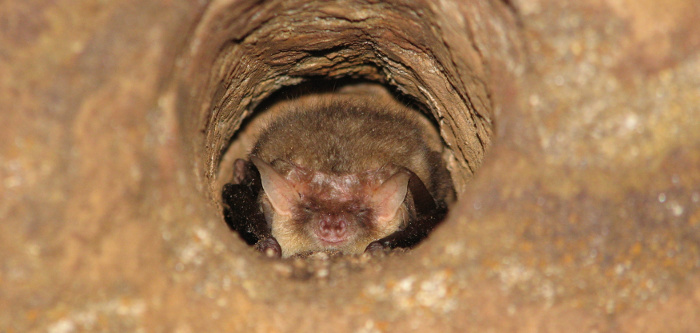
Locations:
(243, 61)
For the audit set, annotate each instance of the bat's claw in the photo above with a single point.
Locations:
(376, 247)
(269, 247)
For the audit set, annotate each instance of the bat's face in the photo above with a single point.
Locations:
(315, 212)
(318, 225)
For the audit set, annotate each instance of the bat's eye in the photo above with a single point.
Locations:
(307, 208)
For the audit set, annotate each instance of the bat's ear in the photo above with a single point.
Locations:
(279, 190)
(389, 196)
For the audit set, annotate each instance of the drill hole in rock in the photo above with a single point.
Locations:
(240, 59)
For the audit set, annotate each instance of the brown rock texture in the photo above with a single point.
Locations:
(571, 129)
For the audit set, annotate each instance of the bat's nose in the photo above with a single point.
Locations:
(333, 229)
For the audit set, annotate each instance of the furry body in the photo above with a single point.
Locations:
(340, 175)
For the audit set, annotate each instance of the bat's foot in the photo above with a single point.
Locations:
(376, 248)
(269, 247)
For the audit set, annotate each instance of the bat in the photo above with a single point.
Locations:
(338, 175)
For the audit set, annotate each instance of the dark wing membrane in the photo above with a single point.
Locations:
(241, 208)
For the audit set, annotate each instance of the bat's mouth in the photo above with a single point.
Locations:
(329, 241)
(333, 241)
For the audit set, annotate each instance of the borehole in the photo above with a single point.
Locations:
(244, 59)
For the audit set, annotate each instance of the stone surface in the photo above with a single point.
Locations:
(583, 213)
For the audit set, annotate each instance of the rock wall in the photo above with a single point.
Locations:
(571, 131)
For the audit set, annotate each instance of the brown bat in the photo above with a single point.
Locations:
(338, 175)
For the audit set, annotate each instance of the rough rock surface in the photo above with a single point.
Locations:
(573, 128)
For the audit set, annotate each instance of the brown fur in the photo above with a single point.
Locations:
(336, 137)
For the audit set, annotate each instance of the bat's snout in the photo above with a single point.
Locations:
(332, 230)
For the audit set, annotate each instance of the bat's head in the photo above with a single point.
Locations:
(314, 211)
